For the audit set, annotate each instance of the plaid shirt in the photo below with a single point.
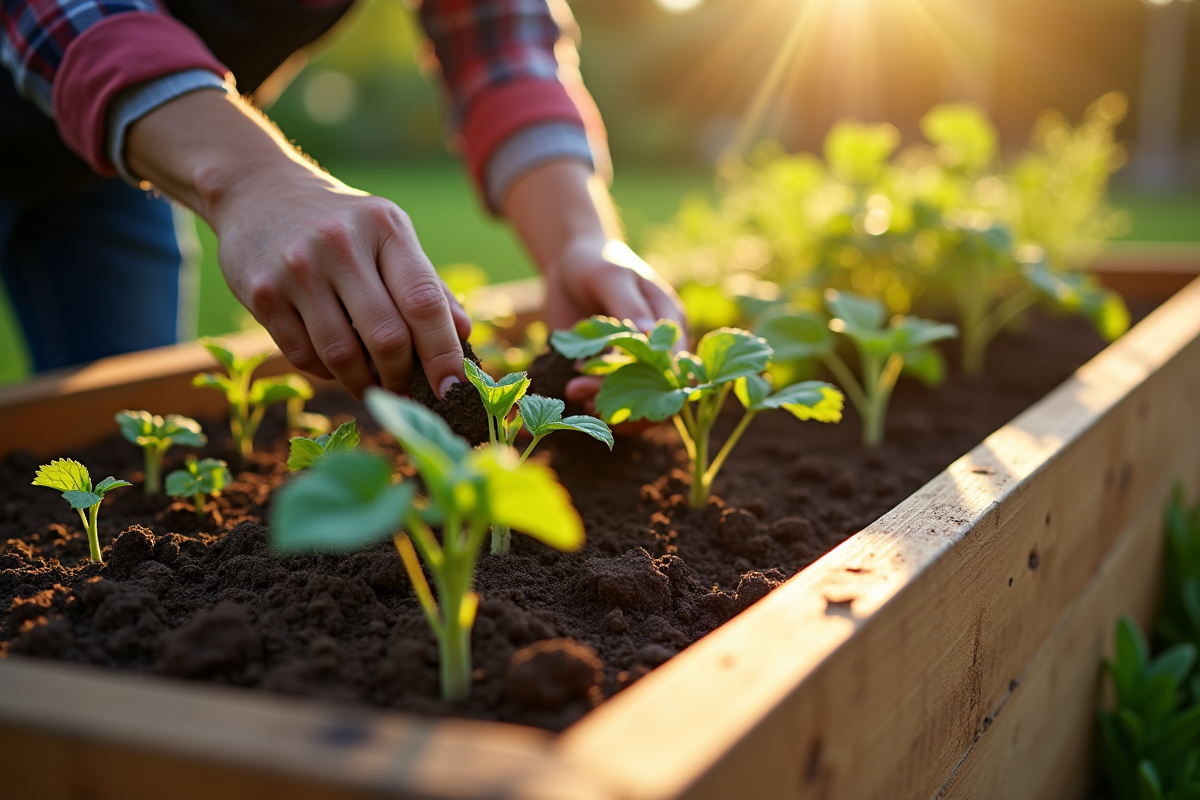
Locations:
(73, 57)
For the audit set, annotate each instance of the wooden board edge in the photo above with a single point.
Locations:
(249, 739)
(785, 648)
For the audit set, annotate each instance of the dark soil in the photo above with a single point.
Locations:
(461, 407)
(556, 633)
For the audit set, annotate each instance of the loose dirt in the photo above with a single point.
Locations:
(556, 633)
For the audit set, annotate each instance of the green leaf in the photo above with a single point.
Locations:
(815, 400)
(344, 437)
(345, 502)
(303, 453)
(212, 474)
(797, 336)
(926, 365)
(858, 152)
(730, 353)
(498, 396)
(639, 391)
(855, 310)
(268, 391)
(529, 498)
(910, 333)
(592, 426)
(1082, 293)
(65, 475)
(182, 483)
(108, 484)
(1155, 699)
(183, 430)
(1133, 654)
(966, 139)
(591, 336)
(1149, 782)
(606, 364)
(539, 413)
(82, 499)
(222, 383)
(428, 440)
(135, 424)
(217, 349)
(1175, 662)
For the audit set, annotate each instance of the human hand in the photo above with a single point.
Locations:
(606, 277)
(330, 272)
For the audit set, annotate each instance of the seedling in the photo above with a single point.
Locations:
(645, 381)
(308, 421)
(1150, 743)
(155, 435)
(72, 479)
(199, 478)
(306, 452)
(884, 352)
(248, 401)
(349, 500)
(540, 416)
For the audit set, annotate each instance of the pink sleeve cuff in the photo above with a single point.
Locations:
(498, 112)
(118, 52)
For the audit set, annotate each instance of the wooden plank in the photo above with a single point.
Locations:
(869, 674)
(1039, 741)
(99, 734)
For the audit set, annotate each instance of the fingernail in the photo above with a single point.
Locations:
(644, 324)
(445, 387)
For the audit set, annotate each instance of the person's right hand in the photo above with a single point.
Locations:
(322, 266)
(336, 276)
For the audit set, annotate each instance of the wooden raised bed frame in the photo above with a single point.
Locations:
(951, 649)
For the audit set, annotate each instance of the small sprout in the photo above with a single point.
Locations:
(206, 476)
(155, 435)
(248, 401)
(645, 381)
(306, 452)
(884, 352)
(72, 479)
(540, 416)
(349, 500)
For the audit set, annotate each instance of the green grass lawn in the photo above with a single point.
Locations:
(454, 229)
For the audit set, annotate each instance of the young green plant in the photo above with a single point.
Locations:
(540, 416)
(155, 435)
(1150, 741)
(1179, 617)
(644, 380)
(303, 452)
(350, 500)
(72, 479)
(902, 346)
(197, 479)
(248, 401)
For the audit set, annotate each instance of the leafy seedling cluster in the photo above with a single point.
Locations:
(349, 500)
(155, 435)
(248, 401)
(72, 479)
(1150, 741)
(886, 350)
(644, 379)
(1179, 617)
(539, 416)
(198, 478)
(304, 452)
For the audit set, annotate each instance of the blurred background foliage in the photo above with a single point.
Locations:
(680, 82)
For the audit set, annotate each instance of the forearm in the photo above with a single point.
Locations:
(558, 205)
(198, 148)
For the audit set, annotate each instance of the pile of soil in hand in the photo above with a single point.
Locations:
(556, 633)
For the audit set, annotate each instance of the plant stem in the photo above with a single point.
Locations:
(152, 477)
(501, 539)
(700, 468)
(198, 502)
(710, 474)
(93, 534)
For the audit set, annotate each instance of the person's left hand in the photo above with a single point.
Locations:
(596, 276)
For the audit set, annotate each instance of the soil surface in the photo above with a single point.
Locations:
(207, 599)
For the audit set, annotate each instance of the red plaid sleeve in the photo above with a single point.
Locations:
(500, 71)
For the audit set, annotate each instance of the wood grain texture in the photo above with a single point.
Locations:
(870, 673)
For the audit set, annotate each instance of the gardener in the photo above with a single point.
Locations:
(109, 95)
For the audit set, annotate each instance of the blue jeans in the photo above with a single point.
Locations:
(95, 274)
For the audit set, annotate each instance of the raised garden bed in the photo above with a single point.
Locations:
(928, 650)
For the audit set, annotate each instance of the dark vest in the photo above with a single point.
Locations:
(251, 37)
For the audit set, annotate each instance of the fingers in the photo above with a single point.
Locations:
(620, 294)
(667, 305)
(287, 329)
(380, 326)
(422, 301)
(335, 341)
